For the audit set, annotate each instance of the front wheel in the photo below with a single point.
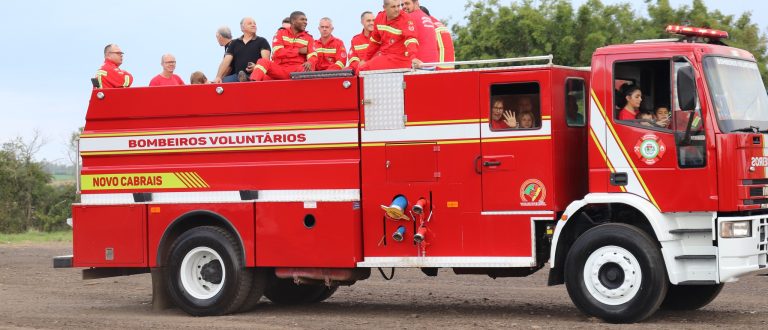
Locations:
(616, 272)
(207, 274)
(690, 297)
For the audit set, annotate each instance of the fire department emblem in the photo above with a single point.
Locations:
(533, 193)
(650, 149)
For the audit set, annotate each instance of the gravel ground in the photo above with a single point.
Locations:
(34, 295)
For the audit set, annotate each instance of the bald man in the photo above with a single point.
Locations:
(394, 42)
(167, 77)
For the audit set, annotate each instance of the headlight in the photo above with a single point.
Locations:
(736, 229)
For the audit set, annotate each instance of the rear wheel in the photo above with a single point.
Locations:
(286, 292)
(207, 274)
(690, 297)
(257, 290)
(616, 272)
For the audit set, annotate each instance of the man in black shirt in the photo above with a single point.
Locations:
(242, 53)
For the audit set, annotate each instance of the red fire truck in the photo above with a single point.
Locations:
(289, 189)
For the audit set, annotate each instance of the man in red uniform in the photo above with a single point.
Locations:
(445, 50)
(110, 75)
(292, 51)
(359, 46)
(393, 40)
(425, 29)
(331, 53)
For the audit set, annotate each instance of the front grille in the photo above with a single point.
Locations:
(749, 182)
(757, 192)
(756, 201)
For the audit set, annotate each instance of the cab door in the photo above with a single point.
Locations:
(653, 160)
(515, 162)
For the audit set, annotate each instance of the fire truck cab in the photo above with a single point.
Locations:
(289, 189)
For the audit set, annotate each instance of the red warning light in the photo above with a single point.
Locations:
(696, 32)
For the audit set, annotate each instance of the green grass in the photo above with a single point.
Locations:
(36, 237)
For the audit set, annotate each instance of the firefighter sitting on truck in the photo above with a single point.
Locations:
(331, 53)
(358, 49)
(292, 51)
(393, 41)
(110, 75)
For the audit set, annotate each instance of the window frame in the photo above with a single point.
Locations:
(537, 106)
(635, 123)
(583, 99)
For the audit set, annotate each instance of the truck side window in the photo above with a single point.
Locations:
(642, 94)
(515, 106)
(689, 128)
(575, 102)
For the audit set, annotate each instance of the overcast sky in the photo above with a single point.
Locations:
(50, 49)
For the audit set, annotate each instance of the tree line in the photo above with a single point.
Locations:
(28, 200)
(528, 27)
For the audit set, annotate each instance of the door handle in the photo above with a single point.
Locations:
(494, 163)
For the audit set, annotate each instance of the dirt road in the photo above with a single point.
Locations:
(34, 295)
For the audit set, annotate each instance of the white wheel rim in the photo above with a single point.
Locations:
(191, 273)
(617, 259)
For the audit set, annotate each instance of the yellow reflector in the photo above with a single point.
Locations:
(453, 204)
(154, 209)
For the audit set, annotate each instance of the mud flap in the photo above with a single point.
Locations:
(160, 299)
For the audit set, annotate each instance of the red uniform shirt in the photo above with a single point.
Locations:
(331, 55)
(445, 50)
(625, 114)
(395, 38)
(159, 80)
(358, 50)
(425, 29)
(286, 45)
(111, 76)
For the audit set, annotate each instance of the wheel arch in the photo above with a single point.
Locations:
(193, 219)
(596, 209)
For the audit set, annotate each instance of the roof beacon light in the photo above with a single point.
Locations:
(696, 32)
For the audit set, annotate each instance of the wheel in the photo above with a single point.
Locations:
(285, 292)
(616, 272)
(257, 290)
(207, 274)
(325, 292)
(690, 297)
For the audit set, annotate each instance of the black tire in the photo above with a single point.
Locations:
(286, 292)
(325, 292)
(616, 254)
(690, 297)
(212, 280)
(257, 290)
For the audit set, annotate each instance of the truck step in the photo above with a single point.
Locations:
(699, 282)
(696, 257)
(690, 231)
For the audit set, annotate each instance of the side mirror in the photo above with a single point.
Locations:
(686, 88)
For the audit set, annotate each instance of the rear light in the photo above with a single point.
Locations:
(736, 229)
(696, 32)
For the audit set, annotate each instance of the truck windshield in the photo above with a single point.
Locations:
(738, 94)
